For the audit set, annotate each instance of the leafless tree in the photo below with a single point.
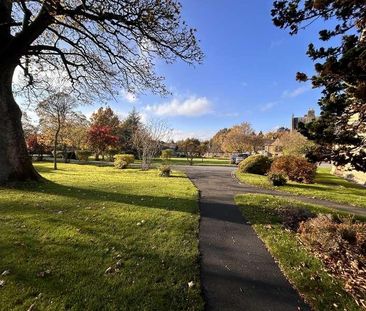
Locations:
(98, 45)
(148, 139)
(54, 113)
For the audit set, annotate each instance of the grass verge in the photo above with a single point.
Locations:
(302, 268)
(326, 186)
(59, 238)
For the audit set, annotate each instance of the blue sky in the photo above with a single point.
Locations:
(248, 73)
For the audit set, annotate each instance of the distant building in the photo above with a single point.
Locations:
(272, 148)
(309, 117)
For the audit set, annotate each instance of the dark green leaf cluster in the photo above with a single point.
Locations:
(340, 71)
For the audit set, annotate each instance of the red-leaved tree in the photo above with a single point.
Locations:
(100, 139)
(34, 146)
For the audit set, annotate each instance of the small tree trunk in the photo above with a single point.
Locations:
(65, 154)
(55, 149)
(15, 162)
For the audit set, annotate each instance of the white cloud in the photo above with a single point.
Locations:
(122, 115)
(191, 107)
(296, 92)
(269, 106)
(201, 135)
(129, 96)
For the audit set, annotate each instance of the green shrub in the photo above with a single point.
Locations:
(166, 154)
(255, 164)
(295, 168)
(277, 179)
(121, 161)
(165, 171)
(83, 155)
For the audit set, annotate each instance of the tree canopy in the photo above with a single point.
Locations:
(241, 138)
(53, 113)
(340, 71)
(105, 117)
(99, 45)
(94, 48)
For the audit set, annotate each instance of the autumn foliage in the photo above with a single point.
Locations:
(295, 168)
(100, 139)
(35, 145)
(32, 143)
(341, 245)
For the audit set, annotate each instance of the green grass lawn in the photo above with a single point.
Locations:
(326, 186)
(59, 237)
(304, 271)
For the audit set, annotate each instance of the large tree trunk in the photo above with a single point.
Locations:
(15, 162)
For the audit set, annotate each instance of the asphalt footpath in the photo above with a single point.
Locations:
(237, 271)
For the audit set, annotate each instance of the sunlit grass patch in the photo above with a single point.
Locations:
(326, 186)
(58, 238)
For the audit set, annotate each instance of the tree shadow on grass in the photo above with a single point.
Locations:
(331, 180)
(100, 196)
(73, 246)
(46, 169)
(77, 279)
(258, 215)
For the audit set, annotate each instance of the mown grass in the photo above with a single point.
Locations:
(304, 271)
(326, 186)
(85, 219)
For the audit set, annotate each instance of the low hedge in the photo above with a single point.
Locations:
(255, 164)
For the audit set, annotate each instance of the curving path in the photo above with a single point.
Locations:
(360, 211)
(237, 272)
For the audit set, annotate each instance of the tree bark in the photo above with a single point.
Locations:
(15, 162)
(56, 141)
(55, 150)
